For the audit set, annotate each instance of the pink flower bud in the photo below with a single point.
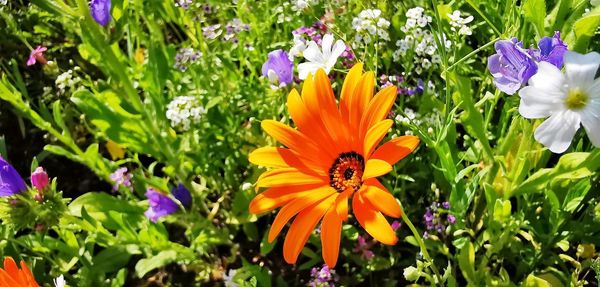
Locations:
(39, 178)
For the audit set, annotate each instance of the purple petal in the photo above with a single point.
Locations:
(11, 182)
(182, 194)
(100, 10)
(279, 62)
(160, 205)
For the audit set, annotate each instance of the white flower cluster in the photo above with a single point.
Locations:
(368, 25)
(299, 5)
(280, 13)
(417, 119)
(66, 81)
(457, 23)
(420, 40)
(183, 111)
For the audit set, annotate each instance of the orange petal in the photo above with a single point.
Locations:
(341, 204)
(330, 115)
(278, 196)
(280, 157)
(286, 177)
(375, 168)
(374, 136)
(296, 206)
(293, 139)
(382, 200)
(396, 149)
(7, 279)
(27, 275)
(302, 227)
(352, 79)
(307, 122)
(378, 108)
(373, 221)
(331, 230)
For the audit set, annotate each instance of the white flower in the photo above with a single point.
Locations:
(459, 23)
(298, 47)
(228, 278)
(60, 281)
(318, 58)
(183, 111)
(567, 100)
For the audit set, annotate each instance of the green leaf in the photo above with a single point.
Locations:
(585, 29)
(466, 262)
(98, 205)
(535, 12)
(161, 259)
(111, 259)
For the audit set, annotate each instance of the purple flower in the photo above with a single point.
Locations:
(121, 177)
(446, 205)
(11, 182)
(364, 248)
(39, 178)
(551, 50)
(511, 67)
(100, 10)
(396, 224)
(160, 205)
(278, 68)
(182, 194)
(451, 219)
(37, 55)
(322, 277)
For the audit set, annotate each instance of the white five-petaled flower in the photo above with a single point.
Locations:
(567, 100)
(60, 281)
(318, 58)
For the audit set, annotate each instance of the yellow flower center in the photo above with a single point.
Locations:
(347, 171)
(576, 99)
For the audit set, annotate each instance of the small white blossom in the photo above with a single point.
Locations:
(66, 81)
(228, 278)
(368, 24)
(457, 23)
(321, 58)
(183, 111)
(60, 281)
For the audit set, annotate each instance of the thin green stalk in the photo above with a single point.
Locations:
(423, 247)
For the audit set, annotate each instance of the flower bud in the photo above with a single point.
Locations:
(39, 178)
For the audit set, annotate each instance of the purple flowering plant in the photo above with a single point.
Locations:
(512, 65)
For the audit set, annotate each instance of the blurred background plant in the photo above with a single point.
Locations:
(160, 95)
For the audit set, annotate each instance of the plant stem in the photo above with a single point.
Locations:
(423, 247)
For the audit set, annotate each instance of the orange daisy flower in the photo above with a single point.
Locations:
(12, 276)
(331, 156)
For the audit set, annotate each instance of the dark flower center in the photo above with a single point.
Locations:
(346, 171)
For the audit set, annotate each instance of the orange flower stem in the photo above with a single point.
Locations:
(423, 248)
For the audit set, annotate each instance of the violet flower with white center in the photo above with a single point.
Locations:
(121, 177)
(159, 205)
(321, 58)
(100, 10)
(185, 4)
(37, 55)
(568, 100)
(278, 69)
